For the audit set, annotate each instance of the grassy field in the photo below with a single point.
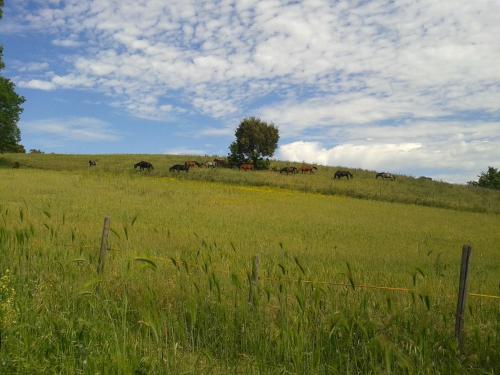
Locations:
(175, 295)
(364, 185)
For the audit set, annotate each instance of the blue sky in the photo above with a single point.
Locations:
(408, 86)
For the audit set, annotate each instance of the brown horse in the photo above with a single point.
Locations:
(192, 164)
(308, 169)
(288, 170)
(220, 162)
(246, 167)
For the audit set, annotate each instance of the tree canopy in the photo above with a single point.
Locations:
(255, 140)
(10, 110)
(489, 179)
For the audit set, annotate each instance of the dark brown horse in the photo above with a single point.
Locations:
(308, 169)
(289, 170)
(339, 174)
(246, 167)
(143, 165)
(385, 176)
(179, 168)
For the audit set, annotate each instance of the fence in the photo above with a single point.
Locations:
(254, 279)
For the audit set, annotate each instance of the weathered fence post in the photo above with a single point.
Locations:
(462, 295)
(104, 245)
(254, 277)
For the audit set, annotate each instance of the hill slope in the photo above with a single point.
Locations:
(364, 185)
(174, 296)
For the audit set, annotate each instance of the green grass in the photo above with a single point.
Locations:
(174, 295)
(364, 185)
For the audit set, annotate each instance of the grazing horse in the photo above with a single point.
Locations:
(308, 169)
(209, 164)
(192, 164)
(385, 176)
(246, 167)
(288, 170)
(179, 168)
(142, 165)
(340, 174)
(219, 162)
(92, 163)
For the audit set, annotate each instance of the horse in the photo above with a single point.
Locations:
(92, 163)
(192, 164)
(143, 165)
(287, 170)
(340, 174)
(246, 167)
(385, 176)
(220, 162)
(179, 168)
(209, 164)
(308, 169)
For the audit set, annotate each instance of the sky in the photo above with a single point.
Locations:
(407, 86)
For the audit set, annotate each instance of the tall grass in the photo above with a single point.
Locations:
(175, 293)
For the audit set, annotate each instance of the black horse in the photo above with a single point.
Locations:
(340, 174)
(385, 176)
(92, 163)
(142, 165)
(179, 168)
(288, 170)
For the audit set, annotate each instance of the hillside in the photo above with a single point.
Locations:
(364, 185)
(175, 295)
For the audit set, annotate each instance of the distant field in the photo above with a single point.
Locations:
(174, 297)
(364, 185)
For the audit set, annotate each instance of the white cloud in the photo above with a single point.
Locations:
(30, 67)
(70, 43)
(82, 129)
(415, 58)
(454, 152)
(37, 85)
(184, 151)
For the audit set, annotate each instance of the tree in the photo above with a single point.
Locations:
(489, 179)
(10, 110)
(255, 140)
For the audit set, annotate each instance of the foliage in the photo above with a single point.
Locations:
(174, 294)
(255, 140)
(10, 110)
(36, 151)
(489, 179)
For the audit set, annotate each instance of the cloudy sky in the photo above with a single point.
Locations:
(408, 86)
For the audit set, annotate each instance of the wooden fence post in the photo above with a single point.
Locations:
(254, 277)
(104, 245)
(462, 295)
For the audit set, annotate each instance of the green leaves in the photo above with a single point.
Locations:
(255, 139)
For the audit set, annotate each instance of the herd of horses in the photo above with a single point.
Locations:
(216, 163)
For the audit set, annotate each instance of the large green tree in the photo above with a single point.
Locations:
(255, 140)
(10, 110)
(488, 179)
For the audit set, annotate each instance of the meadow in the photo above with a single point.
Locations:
(177, 294)
(405, 189)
